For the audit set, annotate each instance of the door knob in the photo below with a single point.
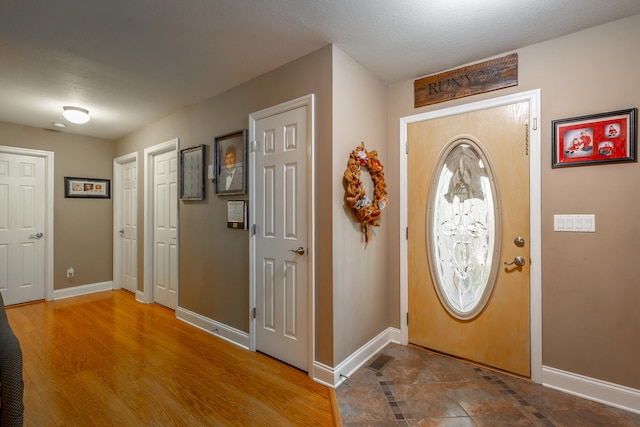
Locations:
(299, 250)
(36, 236)
(518, 241)
(519, 261)
(121, 231)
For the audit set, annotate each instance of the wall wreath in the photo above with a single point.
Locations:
(367, 211)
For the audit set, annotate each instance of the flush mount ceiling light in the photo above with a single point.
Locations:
(76, 115)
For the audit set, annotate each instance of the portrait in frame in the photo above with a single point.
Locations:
(230, 163)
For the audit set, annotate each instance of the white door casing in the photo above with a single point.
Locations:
(281, 241)
(125, 236)
(168, 223)
(26, 224)
(533, 98)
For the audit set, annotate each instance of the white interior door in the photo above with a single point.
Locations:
(126, 220)
(281, 246)
(22, 226)
(165, 220)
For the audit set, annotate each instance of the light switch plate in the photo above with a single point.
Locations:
(576, 223)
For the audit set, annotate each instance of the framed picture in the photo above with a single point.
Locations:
(598, 138)
(89, 188)
(192, 182)
(230, 159)
(237, 214)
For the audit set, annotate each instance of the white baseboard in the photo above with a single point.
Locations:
(82, 290)
(593, 389)
(140, 297)
(218, 329)
(333, 377)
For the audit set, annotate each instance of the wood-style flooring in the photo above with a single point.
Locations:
(106, 360)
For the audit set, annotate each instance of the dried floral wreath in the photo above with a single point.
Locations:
(366, 210)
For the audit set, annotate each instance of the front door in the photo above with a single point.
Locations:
(165, 233)
(281, 237)
(468, 215)
(22, 226)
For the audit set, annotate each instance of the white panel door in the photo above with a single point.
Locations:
(165, 217)
(127, 221)
(281, 237)
(22, 226)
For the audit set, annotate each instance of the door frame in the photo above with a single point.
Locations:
(535, 218)
(304, 101)
(118, 163)
(49, 211)
(149, 153)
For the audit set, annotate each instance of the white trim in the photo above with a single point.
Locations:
(333, 377)
(49, 211)
(149, 153)
(218, 329)
(118, 162)
(76, 291)
(593, 389)
(304, 101)
(140, 297)
(535, 216)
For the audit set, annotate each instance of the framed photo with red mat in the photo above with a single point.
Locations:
(595, 139)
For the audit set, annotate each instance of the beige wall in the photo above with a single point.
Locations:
(83, 236)
(360, 284)
(214, 260)
(590, 289)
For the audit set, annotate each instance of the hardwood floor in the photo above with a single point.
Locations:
(106, 360)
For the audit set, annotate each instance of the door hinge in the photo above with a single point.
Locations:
(407, 318)
(535, 124)
(253, 229)
(406, 147)
(254, 146)
(406, 233)
(253, 313)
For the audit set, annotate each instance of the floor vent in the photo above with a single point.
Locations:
(379, 362)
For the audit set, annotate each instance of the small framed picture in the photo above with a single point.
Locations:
(88, 188)
(230, 160)
(237, 214)
(598, 138)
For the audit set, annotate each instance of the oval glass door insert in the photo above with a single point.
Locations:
(463, 228)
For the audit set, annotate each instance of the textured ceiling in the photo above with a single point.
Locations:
(131, 62)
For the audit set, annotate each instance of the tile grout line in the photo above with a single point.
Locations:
(508, 391)
(394, 404)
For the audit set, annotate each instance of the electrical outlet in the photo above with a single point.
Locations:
(70, 272)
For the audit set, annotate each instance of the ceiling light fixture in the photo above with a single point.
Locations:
(76, 115)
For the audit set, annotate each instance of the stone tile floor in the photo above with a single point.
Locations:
(420, 388)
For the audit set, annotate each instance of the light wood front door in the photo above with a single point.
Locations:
(499, 336)
(281, 237)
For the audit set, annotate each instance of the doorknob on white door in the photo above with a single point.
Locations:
(36, 236)
(299, 250)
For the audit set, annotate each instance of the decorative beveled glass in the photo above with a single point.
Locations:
(464, 228)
